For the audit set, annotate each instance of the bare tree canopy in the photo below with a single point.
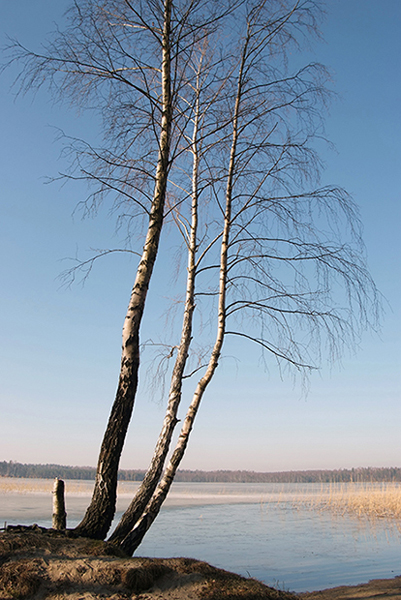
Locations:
(210, 123)
(273, 258)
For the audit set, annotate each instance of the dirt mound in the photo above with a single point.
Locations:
(37, 564)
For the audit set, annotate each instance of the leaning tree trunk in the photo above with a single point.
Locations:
(101, 510)
(131, 542)
(134, 538)
(152, 476)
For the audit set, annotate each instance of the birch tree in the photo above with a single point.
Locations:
(129, 62)
(284, 260)
(189, 228)
(208, 120)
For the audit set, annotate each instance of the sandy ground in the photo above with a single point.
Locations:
(36, 564)
(374, 589)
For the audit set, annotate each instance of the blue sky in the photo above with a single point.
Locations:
(60, 348)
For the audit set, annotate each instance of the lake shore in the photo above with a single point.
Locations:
(278, 534)
(38, 564)
(373, 590)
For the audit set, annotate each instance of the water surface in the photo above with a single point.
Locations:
(252, 529)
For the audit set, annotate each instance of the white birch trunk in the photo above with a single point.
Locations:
(100, 513)
(151, 479)
(134, 538)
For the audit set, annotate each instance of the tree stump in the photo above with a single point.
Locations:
(59, 514)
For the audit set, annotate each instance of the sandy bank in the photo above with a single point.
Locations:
(37, 565)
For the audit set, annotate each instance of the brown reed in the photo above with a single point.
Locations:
(371, 500)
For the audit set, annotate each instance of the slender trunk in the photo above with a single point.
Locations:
(152, 477)
(134, 538)
(136, 535)
(100, 512)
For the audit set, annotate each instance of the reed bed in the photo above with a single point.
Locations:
(11, 485)
(25, 486)
(73, 487)
(367, 500)
(372, 501)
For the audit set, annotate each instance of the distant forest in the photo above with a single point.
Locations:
(361, 474)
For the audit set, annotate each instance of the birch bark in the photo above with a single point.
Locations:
(152, 477)
(131, 542)
(100, 512)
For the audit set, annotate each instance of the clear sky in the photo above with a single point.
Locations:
(60, 348)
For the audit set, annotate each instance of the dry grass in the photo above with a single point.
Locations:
(20, 580)
(74, 487)
(11, 485)
(373, 501)
(25, 486)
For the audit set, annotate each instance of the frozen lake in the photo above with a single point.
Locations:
(256, 530)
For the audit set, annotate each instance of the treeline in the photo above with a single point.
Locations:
(362, 474)
(14, 469)
(51, 471)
